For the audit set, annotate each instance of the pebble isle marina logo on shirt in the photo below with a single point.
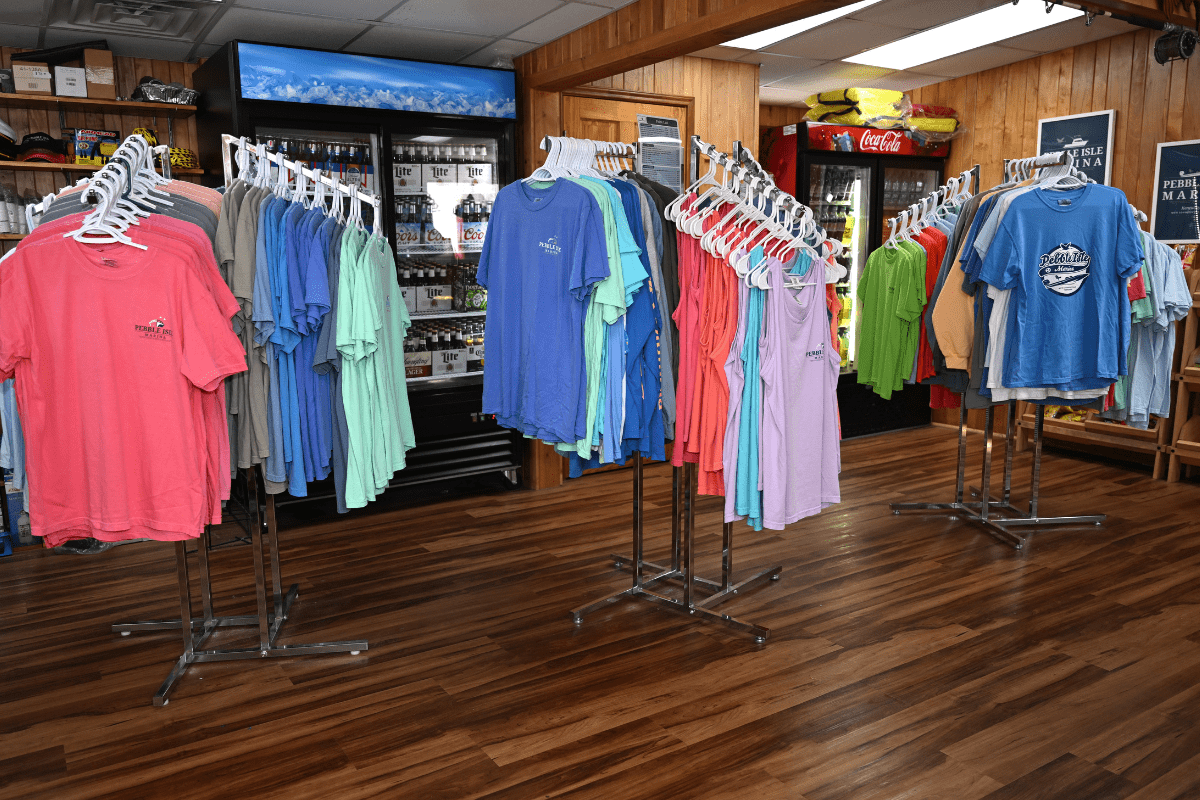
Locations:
(551, 246)
(1064, 269)
(155, 329)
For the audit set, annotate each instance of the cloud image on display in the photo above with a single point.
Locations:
(340, 79)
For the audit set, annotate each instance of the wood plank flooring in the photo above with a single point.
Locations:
(911, 657)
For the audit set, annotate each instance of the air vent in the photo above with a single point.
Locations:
(181, 19)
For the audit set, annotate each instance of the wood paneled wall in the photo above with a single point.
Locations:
(128, 72)
(770, 116)
(1000, 108)
(725, 94)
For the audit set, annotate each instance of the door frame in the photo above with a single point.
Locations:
(686, 102)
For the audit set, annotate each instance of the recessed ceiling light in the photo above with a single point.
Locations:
(977, 30)
(757, 41)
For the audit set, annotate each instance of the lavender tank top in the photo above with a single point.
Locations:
(735, 374)
(800, 446)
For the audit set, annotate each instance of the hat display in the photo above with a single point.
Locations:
(42, 146)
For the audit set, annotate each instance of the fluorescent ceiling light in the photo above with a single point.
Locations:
(977, 30)
(757, 41)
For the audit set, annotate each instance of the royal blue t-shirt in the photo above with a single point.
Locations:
(544, 250)
(1067, 255)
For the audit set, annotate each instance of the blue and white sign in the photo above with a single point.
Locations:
(293, 75)
(1176, 215)
(1087, 137)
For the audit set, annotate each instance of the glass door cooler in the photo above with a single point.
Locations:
(854, 179)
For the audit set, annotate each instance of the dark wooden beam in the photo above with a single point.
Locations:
(681, 39)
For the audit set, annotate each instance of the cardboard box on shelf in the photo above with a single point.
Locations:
(30, 78)
(70, 82)
(94, 147)
(101, 77)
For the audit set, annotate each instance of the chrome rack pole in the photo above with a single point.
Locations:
(1035, 479)
(682, 570)
(269, 624)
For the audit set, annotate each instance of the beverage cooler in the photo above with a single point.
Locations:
(436, 141)
(854, 179)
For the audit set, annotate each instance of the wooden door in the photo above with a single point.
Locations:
(615, 120)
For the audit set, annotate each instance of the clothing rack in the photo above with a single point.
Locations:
(698, 596)
(998, 516)
(271, 613)
(229, 142)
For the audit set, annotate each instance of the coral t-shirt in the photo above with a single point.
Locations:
(108, 344)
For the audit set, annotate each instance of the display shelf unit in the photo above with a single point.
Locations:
(97, 105)
(1093, 430)
(1184, 448)
(39, 166)
(447, 315)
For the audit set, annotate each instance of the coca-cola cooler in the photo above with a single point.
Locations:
(437, 141)
(854, 179)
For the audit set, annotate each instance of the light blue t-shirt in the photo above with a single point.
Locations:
(543, 252)
(1067, 255)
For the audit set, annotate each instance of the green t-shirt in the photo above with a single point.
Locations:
(891, 295)
(358, 326)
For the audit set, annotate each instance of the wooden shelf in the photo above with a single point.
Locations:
(41, 166)
(12, 237)
(97, 105)
(1077, 431)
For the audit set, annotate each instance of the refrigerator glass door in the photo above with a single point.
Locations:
(444, 189)
(352, 157)
(840, 197)
(902, 187)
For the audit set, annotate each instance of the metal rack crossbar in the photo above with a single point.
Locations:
(699, 596)
(269, 619)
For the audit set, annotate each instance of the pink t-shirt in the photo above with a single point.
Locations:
(211, 404)
(108, 344)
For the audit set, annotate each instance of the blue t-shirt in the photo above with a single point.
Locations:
(1067, 256)
(543, 252)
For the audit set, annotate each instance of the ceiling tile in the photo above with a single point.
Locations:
(838, 39)
(559, 23)
(905, 80)
(342, 9)
(923, 14)
(504, 48)
(291, 29)
(487, 18)
(22, 12)
(834, 75)
(780, 97)
(1067, 34)
(774, 68)
(18, 35)
(722, 53)
(401, 42)
(135, 46)
(206, 50)
(977, 60)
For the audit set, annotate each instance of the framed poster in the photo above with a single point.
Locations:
(1175, 218)
(1087, 137)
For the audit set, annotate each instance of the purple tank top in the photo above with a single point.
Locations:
(800, 446)
(735, 374)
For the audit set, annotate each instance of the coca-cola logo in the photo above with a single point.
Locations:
(881, 141)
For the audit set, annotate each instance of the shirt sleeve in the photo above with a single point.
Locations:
(211, 350)
(15, 321)
(1129, 243)
(912, 291)
(1002, 267)
(589, 262)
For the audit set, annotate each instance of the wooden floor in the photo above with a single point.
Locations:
(911, 657)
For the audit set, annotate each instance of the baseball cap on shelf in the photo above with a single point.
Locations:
(8, 142)
(42, 147)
